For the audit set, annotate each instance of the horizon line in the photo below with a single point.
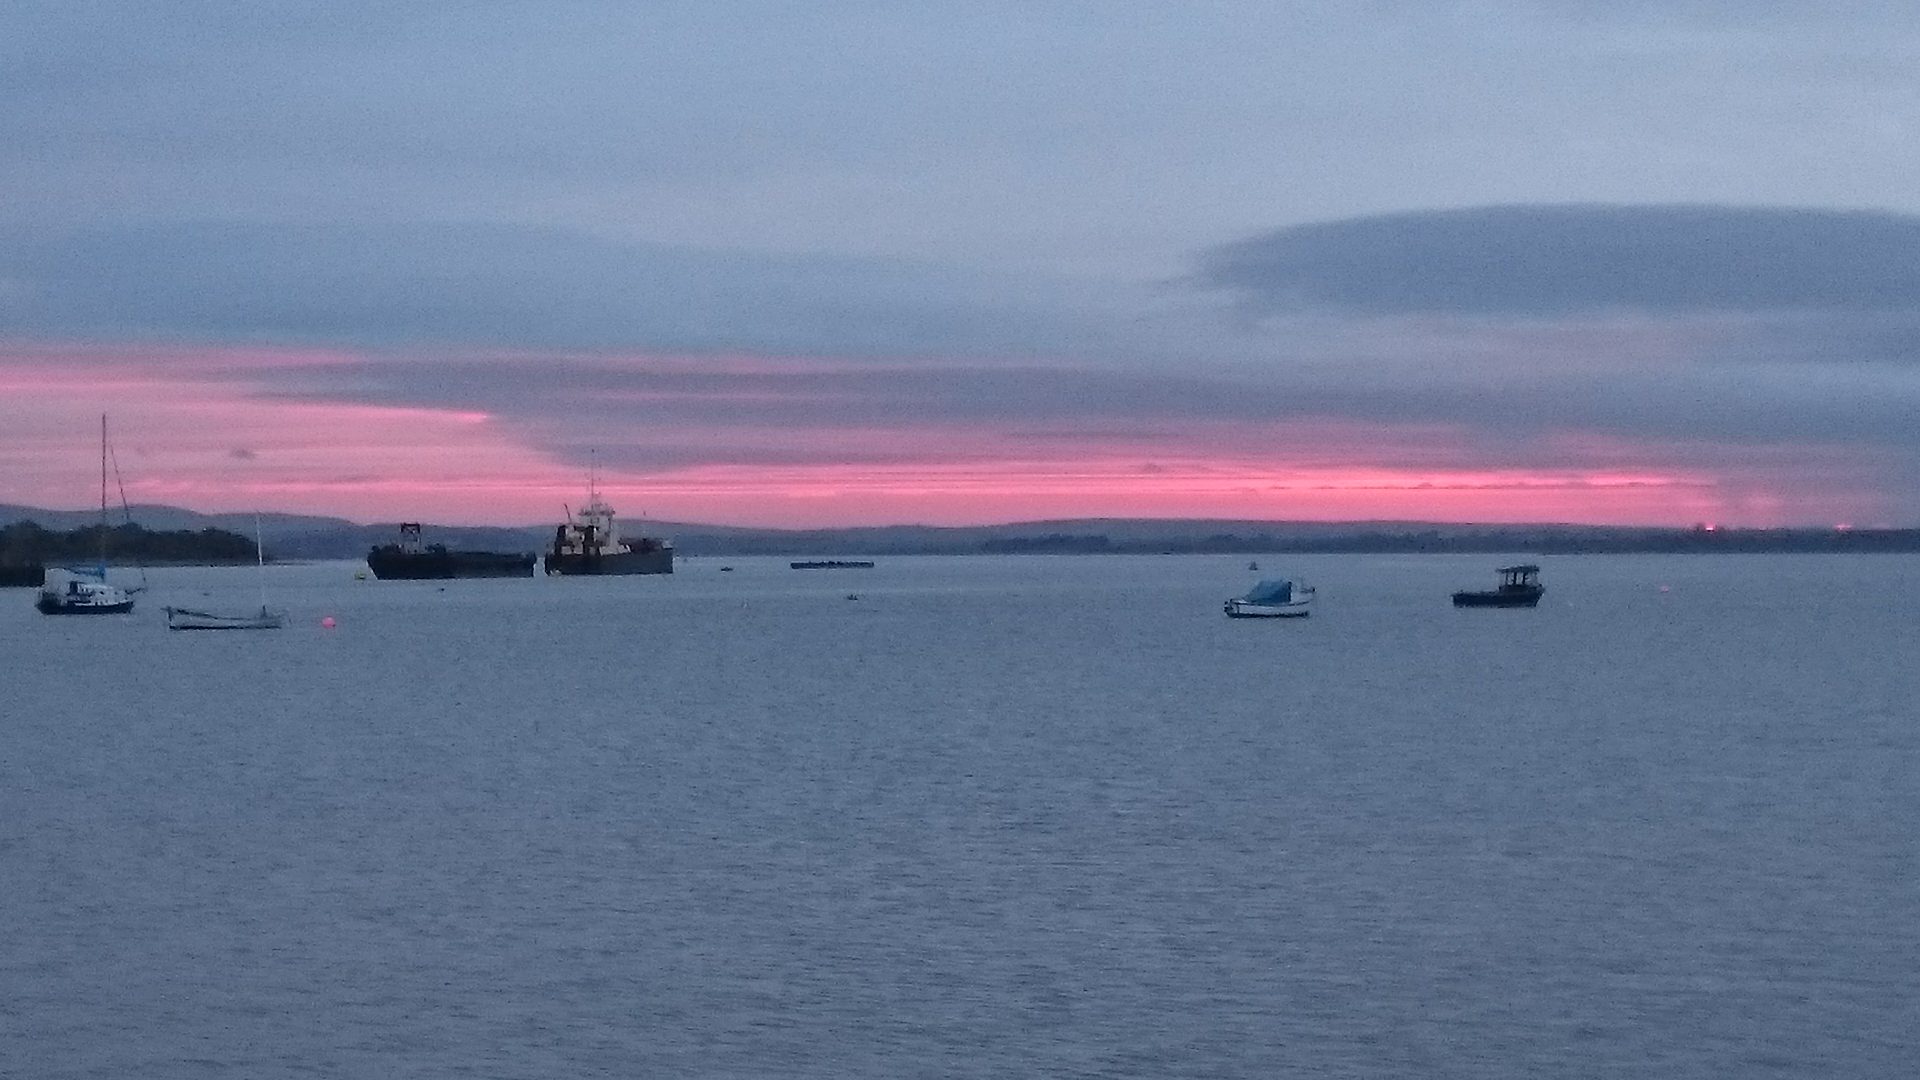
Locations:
(1706, 526)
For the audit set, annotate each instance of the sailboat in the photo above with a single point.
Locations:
(265, 619)
(86, 591)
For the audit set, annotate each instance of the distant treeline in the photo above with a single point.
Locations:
(1050, 544)
(26, 542)
(1572, 541)
(1359, 540)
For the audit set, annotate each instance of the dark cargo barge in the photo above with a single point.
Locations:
(831, 564)
(409, 560)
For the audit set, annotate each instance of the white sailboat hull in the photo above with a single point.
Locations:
(1242, 609)
(185, 619)
(265, 618)
(1275, 598)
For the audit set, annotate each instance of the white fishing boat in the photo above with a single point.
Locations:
(591, 544)
(87, 591)
(264, 619)
(1274, 598)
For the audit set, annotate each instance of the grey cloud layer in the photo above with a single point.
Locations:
(1563, 260)
(1793, 283)
(502, 286)
(1050, 134)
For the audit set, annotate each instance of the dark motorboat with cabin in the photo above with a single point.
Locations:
(1519, 587)
(409, 560)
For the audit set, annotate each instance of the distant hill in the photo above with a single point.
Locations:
(296, 536)
(170, 518)
(25, 543)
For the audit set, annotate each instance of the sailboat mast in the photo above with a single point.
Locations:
(260, 560)
(103, 496)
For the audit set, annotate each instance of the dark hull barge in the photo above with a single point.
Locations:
(409, 560)
(647, 556)
(391, 564)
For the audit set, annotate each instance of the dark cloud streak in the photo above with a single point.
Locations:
(1546, 261)
(503, 286)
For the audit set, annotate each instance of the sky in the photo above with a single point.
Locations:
(860, 263)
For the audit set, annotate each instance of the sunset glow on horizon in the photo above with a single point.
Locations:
(234, 430)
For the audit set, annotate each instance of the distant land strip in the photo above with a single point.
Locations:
(1574, 540)
(291, 536)
(1521, 539)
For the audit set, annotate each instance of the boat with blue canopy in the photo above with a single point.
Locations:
(1273, 598)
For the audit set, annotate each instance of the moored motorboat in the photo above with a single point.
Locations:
(1519, 587)
(1274, 598)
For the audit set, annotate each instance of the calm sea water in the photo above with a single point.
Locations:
(992, 818)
